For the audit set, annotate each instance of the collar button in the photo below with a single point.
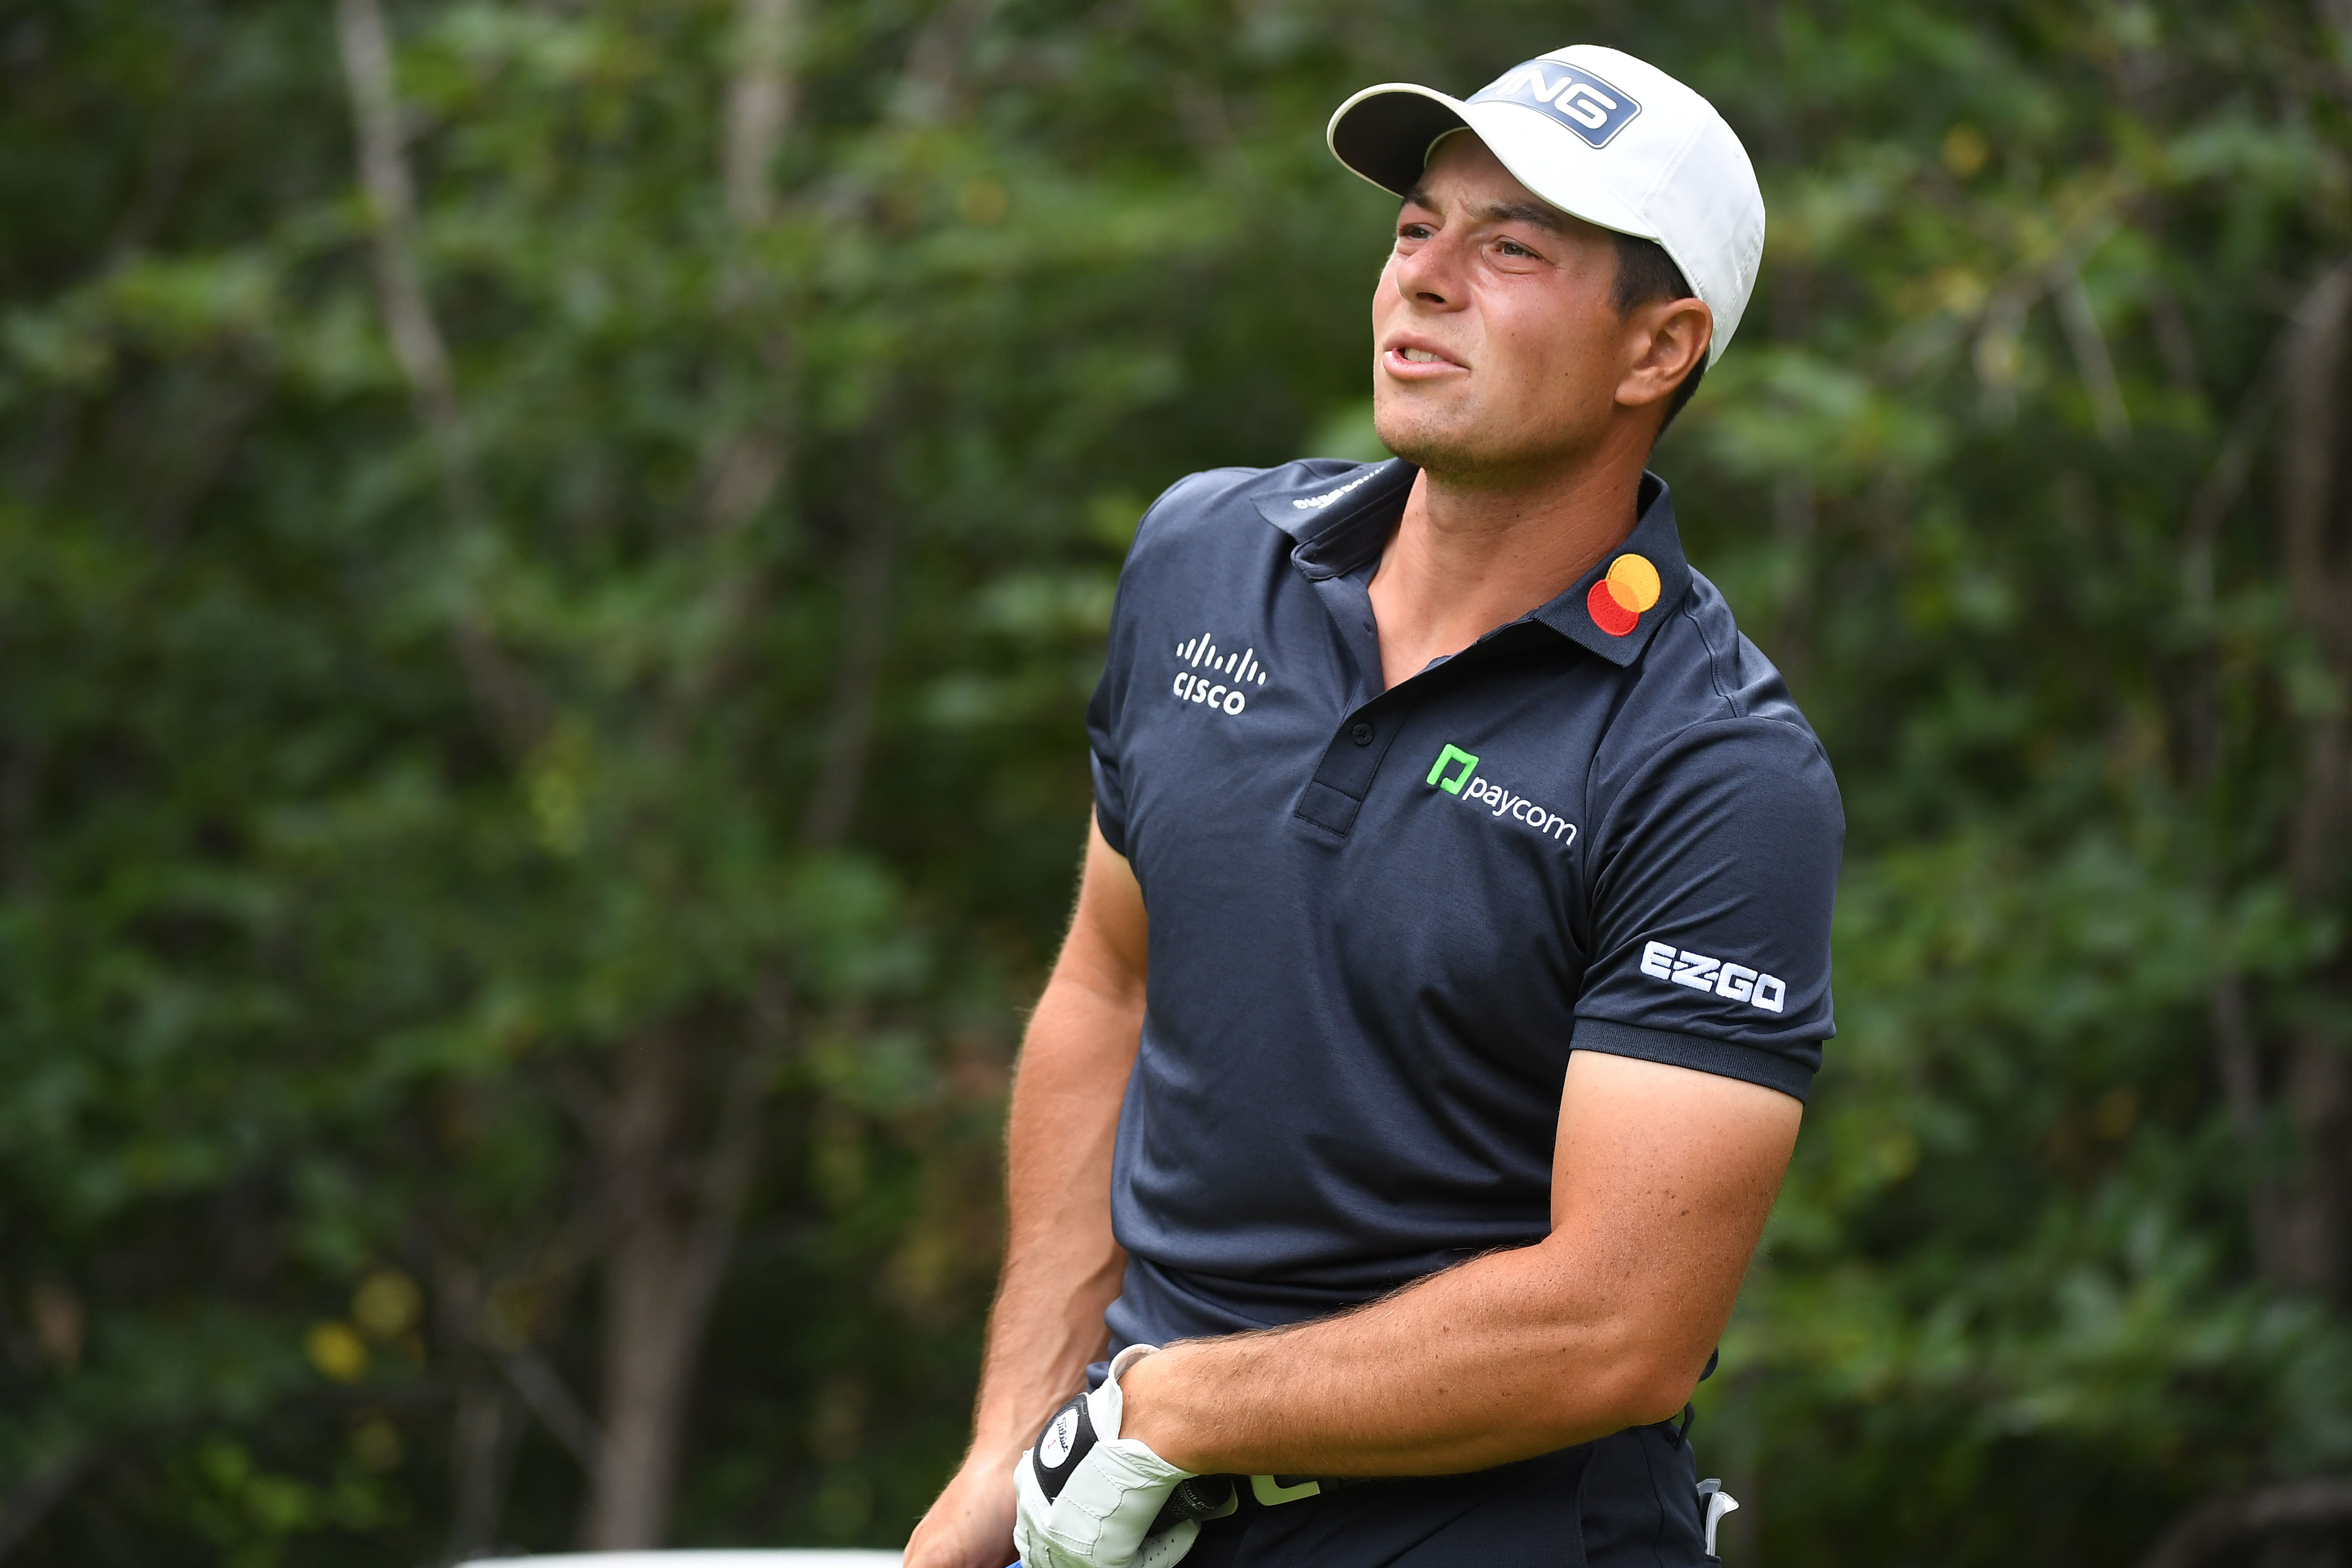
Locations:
(1361, 734)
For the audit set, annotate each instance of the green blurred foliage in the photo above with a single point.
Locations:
(312, 967)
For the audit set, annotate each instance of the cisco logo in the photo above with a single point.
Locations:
(1198, 682)
(1589, 107)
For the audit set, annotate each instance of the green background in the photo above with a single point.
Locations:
(464, 830)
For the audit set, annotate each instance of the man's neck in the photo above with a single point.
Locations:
(1467, 557)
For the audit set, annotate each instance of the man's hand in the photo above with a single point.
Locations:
(970, 1523)
(1089, 1497)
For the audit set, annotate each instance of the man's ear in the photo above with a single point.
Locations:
(1669, 338)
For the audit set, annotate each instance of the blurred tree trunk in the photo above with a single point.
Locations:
(2314, 1219)
(671, 1230)
(646, 1332)
(667, 1249)
(511, 706)
(746, 470)
(760, 101)
(654, 1303)
(481, 1458)
(485, 1431)
(865, 640)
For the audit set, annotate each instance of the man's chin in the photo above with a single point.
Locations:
(1425, 443)
(1437, 449)
(1449, 450)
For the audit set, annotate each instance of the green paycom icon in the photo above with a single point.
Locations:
(1446, 759)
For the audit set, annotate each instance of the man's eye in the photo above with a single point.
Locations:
(1413, 231)
(1513, 247)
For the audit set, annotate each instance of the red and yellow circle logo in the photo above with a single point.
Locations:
(1617, 600)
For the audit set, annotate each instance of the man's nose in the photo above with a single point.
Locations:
(1431, 277)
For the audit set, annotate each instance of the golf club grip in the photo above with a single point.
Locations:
(1195, 1497)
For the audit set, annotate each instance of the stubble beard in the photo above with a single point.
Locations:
(1461, 449)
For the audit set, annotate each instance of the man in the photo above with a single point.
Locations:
(1450, 956)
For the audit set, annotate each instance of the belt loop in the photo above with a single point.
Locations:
(1682, 1431)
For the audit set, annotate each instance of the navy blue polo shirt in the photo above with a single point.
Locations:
(1381, 918)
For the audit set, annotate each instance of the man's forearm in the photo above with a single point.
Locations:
(1062, 1266)
(1606, 1324)
(1046, 1325)
(1487, 1363)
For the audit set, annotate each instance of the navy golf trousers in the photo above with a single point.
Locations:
(1628, 1501)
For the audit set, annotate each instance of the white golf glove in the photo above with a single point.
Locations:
(1087, 1496)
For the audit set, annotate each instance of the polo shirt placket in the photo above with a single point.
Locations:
(1339, 559)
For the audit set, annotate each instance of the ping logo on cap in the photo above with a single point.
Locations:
(1570, 94)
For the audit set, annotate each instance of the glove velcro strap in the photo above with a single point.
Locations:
(1110, 1502)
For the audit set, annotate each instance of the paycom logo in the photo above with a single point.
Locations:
(1456, 773)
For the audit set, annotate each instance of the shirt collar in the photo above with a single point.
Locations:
(1644, 581)
(1341, 517)
(1335, 514)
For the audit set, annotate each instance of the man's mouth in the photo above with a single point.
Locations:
(1425, 361)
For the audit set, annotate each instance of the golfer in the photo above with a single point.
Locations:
(1451, 958)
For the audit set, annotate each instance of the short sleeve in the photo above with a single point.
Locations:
(1714, 871)
(1104, 736)
(1110, 807)
(1106, 733)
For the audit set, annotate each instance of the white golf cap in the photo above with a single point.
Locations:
(1597, 133)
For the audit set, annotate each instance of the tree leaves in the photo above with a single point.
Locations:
(355, 823)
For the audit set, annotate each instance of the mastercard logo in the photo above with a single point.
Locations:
(1617, 600)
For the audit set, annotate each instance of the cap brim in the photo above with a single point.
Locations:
(1384, 135)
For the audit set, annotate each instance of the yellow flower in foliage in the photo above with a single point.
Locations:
(386, 1303)
(337, 1351)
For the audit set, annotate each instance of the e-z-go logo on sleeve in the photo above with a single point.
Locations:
(1203, 662)
(1664, 961)
(1518, 807)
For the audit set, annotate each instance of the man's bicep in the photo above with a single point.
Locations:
(1075, 1057)
(1107, 947)
(1662, 1179)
